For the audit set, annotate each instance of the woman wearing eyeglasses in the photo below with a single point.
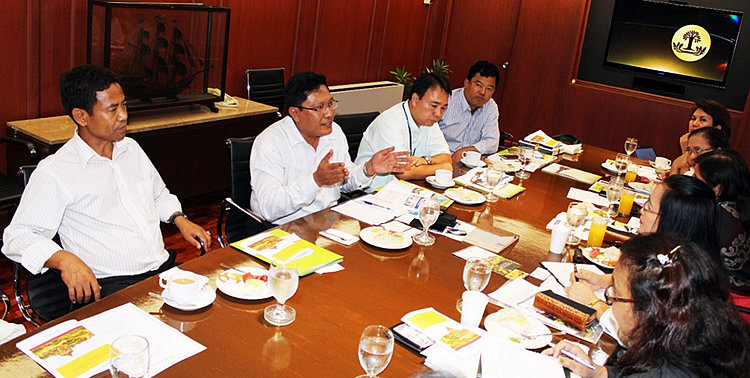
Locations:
(699, 142)
(681, 205)
(671, 301)
(706, 113)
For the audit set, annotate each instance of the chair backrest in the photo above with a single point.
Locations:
(236, 221)
(266, 86)
(354, 126)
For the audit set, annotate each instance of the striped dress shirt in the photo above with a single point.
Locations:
(107, 212)
(463, 129)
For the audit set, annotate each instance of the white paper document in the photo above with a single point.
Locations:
(587, 196)
(81, 348)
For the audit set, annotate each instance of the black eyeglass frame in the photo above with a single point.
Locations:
(333, 104)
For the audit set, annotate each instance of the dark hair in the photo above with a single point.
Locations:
(715, 137)
(78, 87)
(683, 315)
(426, 81)
(484, 69)
(300, 86)
(688, 208)
(728, 168)
(717, 111)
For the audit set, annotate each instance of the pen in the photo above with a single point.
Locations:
(575, 271)
(574, 357)
(377, 205)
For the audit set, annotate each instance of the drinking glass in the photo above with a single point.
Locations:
(476, 276)
(428, 214)
(525, 156)
(614, 191)
(129, 357)
(630, 145)
(283, 279)
(576, 215)
(621, 164)
(493, 175)
(375, 349)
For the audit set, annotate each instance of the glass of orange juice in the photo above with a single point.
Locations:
(632, 172)
(626, 202)
(596, 233)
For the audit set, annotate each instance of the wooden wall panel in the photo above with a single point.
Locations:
(479, 30)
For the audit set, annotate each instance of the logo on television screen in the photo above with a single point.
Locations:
(691, 43)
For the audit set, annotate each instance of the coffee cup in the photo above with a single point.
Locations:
(181, 286)
(443, 176)
(471, 157)
(662, 162)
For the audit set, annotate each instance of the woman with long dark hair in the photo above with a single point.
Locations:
(681, 205)
(671, 301)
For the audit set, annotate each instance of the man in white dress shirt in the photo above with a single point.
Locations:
(412, 126)
(100, 193)
(300, 164)
(471, 121)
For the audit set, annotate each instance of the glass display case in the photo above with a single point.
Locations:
(166, 54)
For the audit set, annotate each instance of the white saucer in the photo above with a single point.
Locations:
(205, 297)
(431, 180)
(661, 168)
(481, 164)
(465, 196)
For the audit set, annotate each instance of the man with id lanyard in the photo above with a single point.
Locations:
(412, 126)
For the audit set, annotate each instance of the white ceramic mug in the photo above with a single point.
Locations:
(474, 303)
(181, 286)
(471, 157)
(443, 176)
(662, 162)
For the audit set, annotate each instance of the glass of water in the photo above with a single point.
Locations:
(576, 215)
(614, 192)
(129, 357)
(283, 279)
(493, 176)
(631, 144)
(375, 350)
(429, 210)
(476, 276)
(525, 156)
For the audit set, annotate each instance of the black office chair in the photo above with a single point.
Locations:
(567, 138)
(354, 126)
(266, 86)
(6, 302)
(506, 139)
(236, 221)
(11, 188)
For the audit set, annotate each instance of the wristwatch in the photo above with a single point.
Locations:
(178, 214)
(427, 159)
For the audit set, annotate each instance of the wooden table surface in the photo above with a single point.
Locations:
(376, 287)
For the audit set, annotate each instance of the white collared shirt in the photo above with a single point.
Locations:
(107, 212)
(282, 164)
(463, 129)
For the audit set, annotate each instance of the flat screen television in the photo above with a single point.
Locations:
(685, 42)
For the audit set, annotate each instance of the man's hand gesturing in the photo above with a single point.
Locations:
(330, 173)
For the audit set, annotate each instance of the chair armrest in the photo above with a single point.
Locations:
(30, 146)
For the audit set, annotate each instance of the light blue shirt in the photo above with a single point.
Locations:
(463, 129)
(393, 128)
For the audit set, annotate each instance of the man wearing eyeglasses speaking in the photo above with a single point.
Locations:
(300, 164)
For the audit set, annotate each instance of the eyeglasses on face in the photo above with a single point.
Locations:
(609, 296)
(333, 104)
(697, 150)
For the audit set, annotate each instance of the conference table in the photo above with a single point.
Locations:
(376, 287)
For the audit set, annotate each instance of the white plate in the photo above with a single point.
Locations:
(205, 297)
(507, 322)
(431, 180)
(642, 188)
(609, 166)
(465, 196)
(611, 254)
(228, 283)
(481, 164)
(512, 166)
(382, 238)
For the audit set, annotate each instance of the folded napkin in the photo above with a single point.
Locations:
(572, 149)
(10, 331)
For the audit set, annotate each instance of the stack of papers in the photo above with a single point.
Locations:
(549, 145)
(81, 348)
(281, 245)
(575, 174)
(540, 159)
(458, 350)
